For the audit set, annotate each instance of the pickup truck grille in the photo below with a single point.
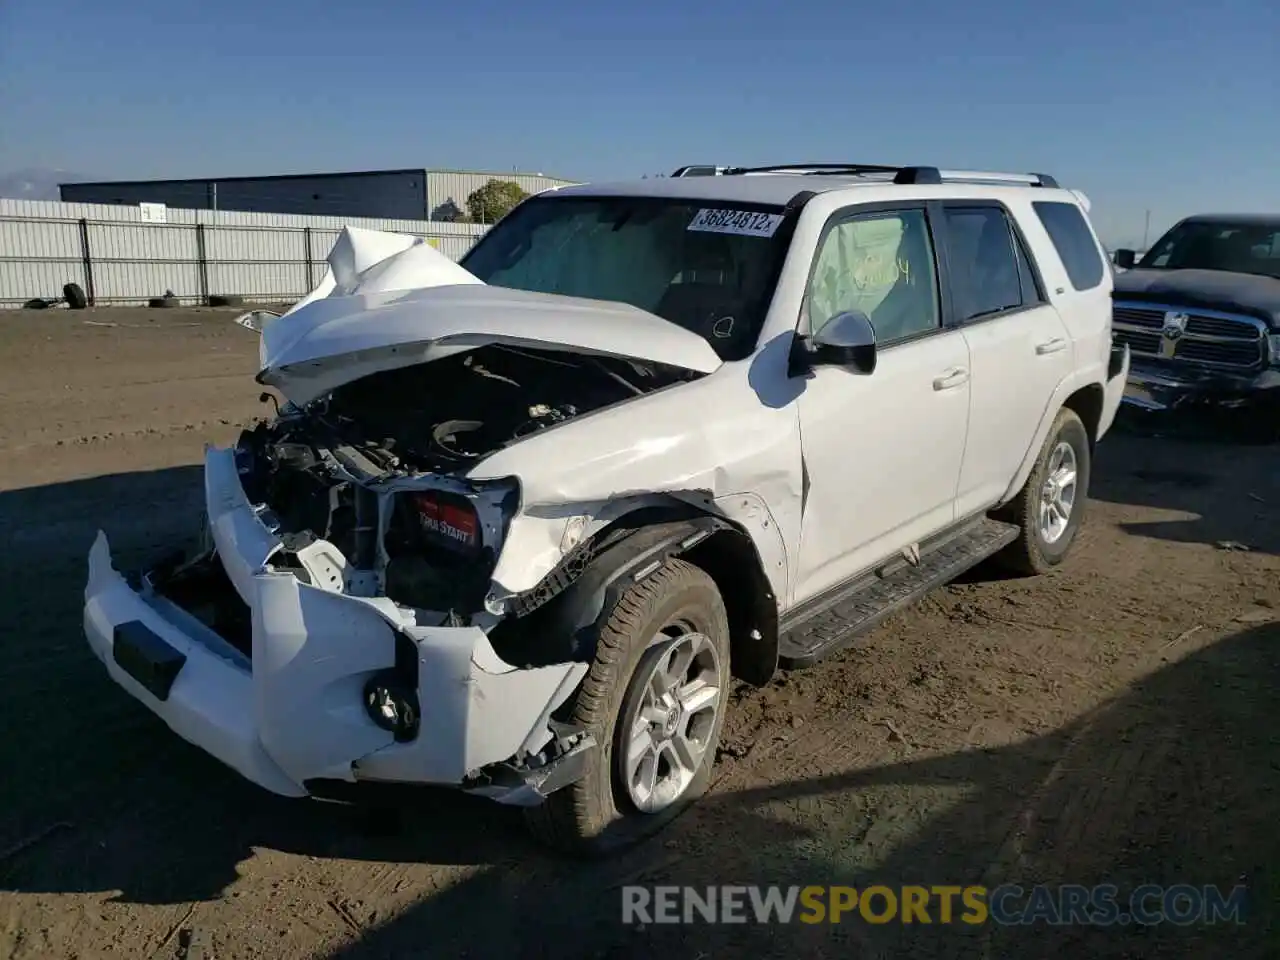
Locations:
(1202, 337)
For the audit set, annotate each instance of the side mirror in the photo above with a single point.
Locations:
(846, 340)
(1125, 259)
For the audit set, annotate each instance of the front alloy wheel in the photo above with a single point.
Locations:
(675, 710)
(654, 700)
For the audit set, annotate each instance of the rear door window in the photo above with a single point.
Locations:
(1074, 242)
(990, 272)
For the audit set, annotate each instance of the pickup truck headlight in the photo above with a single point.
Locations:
(1273, 349)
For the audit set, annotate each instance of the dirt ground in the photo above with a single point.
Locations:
(1115, 722)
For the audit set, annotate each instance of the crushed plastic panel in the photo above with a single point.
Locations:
(390, 301)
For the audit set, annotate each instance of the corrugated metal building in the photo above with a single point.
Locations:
(125, 255)
(410, 194)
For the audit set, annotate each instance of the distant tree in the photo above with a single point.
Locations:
(490, 203)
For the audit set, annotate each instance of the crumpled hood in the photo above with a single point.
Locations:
(1255, 296)
(391, 301)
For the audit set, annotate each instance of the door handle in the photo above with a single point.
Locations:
(1055, 345)
(952, 378)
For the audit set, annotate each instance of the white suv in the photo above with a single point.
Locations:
(522, 519)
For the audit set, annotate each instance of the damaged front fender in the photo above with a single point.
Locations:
(742, 464)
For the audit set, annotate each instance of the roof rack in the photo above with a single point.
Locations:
(701, 170)
(901, 175)
(985, 176)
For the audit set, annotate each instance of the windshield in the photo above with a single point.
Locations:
(1208, 245)
(708, 267)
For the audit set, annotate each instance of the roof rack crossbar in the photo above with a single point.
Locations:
(993, 176)
(818, 168)
(901, 174)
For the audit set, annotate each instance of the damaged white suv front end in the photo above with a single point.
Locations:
(322, 677)
(524, 519)
(335, 628)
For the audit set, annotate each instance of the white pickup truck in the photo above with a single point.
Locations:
(523, 518)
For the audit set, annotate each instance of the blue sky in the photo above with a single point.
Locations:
(1162, 106)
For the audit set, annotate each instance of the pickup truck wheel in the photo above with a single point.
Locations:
(1050, 506)
(655, 699)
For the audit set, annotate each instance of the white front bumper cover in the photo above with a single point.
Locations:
(294, 712)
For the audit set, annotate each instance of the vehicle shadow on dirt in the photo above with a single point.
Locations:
(78, 751)
(1228, 493)
(1170, 783)
(100, 795)
(1173, 782)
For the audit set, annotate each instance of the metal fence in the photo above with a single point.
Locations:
(128, 255)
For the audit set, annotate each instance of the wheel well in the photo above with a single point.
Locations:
(1087, 403)
(556, 620)
(730, 559)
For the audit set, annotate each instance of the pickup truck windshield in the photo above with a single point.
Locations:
(708, 267)
(1218, 245)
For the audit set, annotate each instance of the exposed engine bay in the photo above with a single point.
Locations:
(444, 416)
(374, 468)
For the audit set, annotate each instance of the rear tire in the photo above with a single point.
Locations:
(1045, 535)
(676, 610)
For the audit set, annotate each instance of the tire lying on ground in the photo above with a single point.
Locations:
(225, 300)
(163, 302)
(655, 700)
(36, 304)
(73, 293)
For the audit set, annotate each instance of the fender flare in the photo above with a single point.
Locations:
(1067, 387)
(617, 568)
(560, 619)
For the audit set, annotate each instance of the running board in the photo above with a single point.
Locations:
(834, 620)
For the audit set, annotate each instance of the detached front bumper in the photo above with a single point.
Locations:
(293, 711)
(1156, 385)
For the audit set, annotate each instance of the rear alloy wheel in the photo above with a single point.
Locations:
(655, 700)
(1058, 493)
(1050, 506)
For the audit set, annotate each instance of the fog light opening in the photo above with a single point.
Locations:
(392, 706)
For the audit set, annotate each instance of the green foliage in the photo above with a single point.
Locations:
(490, 203)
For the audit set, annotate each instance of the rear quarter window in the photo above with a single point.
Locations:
(1074, 242)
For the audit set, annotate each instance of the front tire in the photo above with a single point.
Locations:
(655, 699)
(1050, 506)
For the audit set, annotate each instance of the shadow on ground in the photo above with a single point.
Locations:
(1228, 495)
(168, 823)
(1201, 425)
(1174, 782)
